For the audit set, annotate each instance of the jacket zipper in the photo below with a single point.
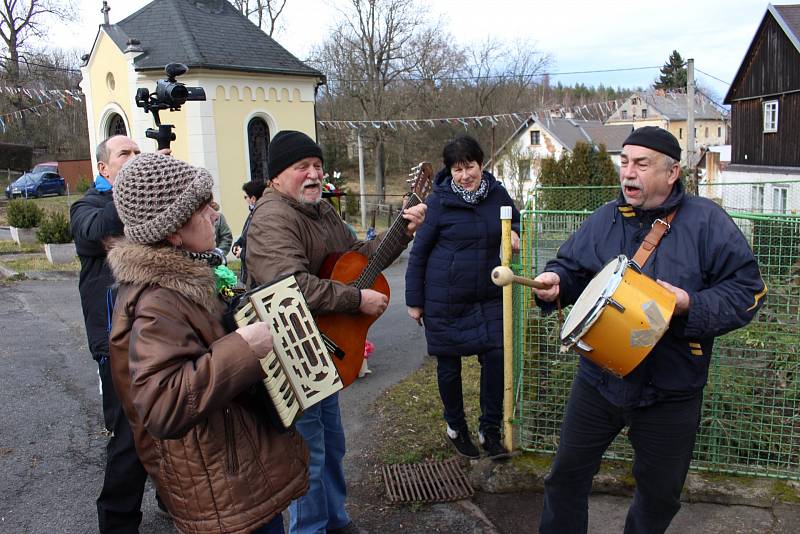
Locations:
(232, 462)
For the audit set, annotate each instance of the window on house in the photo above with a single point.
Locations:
(524, 170)
(634, 101)
(706, 131)
(771, 116)
(680, 133)
(116, 126)
(536, 137)
(757, 198)
(644, 113)
(257, 141)
(624, 114)
(779, 196)
(719, 131)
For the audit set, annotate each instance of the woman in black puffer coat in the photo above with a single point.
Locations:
(448, 285)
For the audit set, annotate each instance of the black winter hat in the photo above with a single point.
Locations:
(287, 147)
(657, 139)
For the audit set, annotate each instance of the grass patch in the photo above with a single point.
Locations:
(415, 429)
(235, 266)
(40, 263)
(56, 203)
(11, 247)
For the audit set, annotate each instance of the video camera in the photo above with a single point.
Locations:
(170, 94)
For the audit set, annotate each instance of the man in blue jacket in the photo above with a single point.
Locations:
(707, 263)
(93, 219)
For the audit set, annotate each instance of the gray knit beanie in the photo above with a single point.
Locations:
(156, 194)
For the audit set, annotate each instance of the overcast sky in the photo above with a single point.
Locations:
(579, 35)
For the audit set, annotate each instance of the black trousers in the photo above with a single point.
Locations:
(120, 501)
(448, 374)
(662, 436)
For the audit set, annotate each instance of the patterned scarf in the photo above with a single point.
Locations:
(211, 257)
(471, 197)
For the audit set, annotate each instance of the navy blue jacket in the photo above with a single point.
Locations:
(704, 253)
(93, 218)
(449, 269)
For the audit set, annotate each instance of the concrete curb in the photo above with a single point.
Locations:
(526, 472)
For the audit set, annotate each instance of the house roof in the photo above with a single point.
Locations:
(569, 132)
(610, 135)
(209, 34)
(788, 18)
(674, 106)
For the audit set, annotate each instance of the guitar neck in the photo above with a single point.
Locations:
(388, 248)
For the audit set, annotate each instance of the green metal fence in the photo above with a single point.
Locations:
(750, 422)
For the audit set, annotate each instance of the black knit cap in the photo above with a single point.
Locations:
(657, 139)
(287, 147)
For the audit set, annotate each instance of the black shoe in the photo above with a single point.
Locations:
(462, 443)
(349, 528)
(491, 443)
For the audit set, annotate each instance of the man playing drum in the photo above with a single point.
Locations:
(707, 263)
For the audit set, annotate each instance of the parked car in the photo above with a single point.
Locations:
(47, 166)
(36, 184)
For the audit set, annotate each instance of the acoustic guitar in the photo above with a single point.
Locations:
(349, 330)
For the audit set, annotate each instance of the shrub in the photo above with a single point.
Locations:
(24, 214)
(54, 228)
(83, 184)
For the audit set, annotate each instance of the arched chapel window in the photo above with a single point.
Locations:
(257, 140)
(116, 126)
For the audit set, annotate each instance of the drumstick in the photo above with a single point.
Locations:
(502, 276)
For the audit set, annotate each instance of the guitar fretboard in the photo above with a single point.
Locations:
(389, 246)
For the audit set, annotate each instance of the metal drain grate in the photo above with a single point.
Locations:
(432, 481)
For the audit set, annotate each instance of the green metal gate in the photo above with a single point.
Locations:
(750, 422)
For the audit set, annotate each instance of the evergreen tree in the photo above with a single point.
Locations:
(673, 73)
(585, 166)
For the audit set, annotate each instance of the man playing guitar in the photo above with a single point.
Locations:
(292, 232)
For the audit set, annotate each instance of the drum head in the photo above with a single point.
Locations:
(585, 310)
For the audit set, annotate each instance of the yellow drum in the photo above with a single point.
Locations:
(618, 318)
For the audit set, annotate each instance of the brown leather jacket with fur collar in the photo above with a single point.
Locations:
(217, 465)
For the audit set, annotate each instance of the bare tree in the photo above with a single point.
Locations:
(22, 19)
(264, 13)
(502, 74)
(376, 44)
(517, 169)
(19, 21)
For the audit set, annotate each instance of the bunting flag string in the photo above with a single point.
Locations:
(49, 99)
(595, 111)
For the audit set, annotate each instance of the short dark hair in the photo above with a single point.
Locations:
(462, 149)
(254, 188)
(101, 153)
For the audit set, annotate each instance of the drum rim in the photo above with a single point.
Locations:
(583, 326)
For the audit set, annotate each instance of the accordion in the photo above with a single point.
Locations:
(299, 369)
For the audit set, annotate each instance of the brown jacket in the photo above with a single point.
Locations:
(182, 382)
(287, 237)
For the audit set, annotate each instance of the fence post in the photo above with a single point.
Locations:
(508, 333)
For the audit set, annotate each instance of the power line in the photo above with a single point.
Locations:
(51, 67)
(712, 76)
(504, 76)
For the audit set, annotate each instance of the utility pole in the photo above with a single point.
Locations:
(361, 185)
(690, 114)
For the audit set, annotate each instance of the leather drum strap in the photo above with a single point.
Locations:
(653, 237)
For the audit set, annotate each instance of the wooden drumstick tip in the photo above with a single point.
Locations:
(502, 276)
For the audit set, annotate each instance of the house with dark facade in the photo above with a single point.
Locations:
(765, 114)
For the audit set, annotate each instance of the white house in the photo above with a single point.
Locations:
(517, 162)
